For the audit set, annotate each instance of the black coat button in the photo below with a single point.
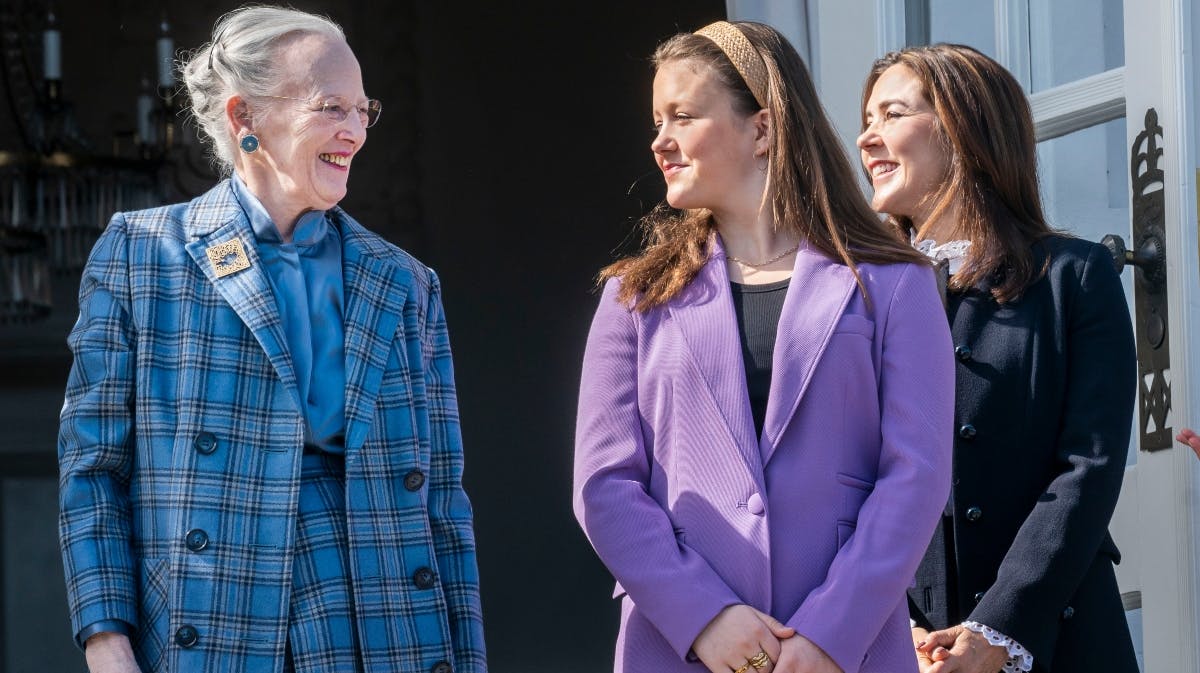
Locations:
(1068, 612)
(962, 352)
(967, 431)
(974, 514)
(978, 596)
(424, 578)
(187, 636)
(205, 442)
(442, 667)
(196, 540)
(414, 480)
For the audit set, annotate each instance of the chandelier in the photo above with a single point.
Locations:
(57, 189)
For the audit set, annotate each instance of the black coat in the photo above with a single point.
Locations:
(1043, 413)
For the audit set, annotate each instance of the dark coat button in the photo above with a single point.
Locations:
(974, 514)
(196, 540)
(414, 480)
(424, 578)
(205, 442)
(962, 352)
(187, 636)
(967, 431)
(1068, 612)
(442, 667)
(978, 596)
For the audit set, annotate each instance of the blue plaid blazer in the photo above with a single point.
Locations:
(182, 413)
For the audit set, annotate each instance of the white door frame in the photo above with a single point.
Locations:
(1158, 69)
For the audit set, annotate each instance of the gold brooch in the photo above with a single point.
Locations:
(228, 257)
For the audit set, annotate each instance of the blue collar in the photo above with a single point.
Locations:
(311, 228)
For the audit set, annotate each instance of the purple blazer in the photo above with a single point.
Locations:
(823, 521)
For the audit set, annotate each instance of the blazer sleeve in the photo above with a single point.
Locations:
(96, 442)
(1060, 538)
(450, 512)
(870, 574)
(673, 586)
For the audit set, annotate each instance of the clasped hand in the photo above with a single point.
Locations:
(739, 632)
(957, 650)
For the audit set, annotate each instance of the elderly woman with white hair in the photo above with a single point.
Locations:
(260, 452)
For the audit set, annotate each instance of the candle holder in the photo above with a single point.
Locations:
(57, 192)
(166, 117)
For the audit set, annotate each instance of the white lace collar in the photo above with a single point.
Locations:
(954, 251)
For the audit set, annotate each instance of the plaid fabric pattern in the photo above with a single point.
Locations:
(182, 414)
(321, 631)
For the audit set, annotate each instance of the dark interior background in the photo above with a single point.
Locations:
(512, 156)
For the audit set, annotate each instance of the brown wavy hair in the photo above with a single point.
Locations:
(813, 188)
(984, 118)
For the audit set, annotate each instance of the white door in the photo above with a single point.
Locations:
(1092, 68)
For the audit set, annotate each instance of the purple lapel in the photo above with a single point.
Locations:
(704, 313)
(816, 297)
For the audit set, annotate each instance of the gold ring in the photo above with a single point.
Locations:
(744, 667)
(759, 660)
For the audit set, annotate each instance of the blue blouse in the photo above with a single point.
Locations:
(306, 276)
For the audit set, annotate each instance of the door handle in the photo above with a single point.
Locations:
(1150, 257)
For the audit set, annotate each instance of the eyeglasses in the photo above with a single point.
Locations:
(336, 109)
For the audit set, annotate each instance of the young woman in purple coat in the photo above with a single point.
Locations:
(763, 440)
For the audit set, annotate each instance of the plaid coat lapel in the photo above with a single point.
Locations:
(216, 218)
(375, 301)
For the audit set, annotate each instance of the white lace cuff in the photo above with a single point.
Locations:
(1019, 659)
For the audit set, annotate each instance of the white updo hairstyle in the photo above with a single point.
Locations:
(241, 60)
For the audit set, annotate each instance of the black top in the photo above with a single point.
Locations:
(758, 308)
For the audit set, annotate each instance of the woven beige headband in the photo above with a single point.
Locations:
(742, 54)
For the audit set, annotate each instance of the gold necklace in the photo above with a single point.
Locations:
(774, 259)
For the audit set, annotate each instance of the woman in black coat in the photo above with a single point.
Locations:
(1019, 576)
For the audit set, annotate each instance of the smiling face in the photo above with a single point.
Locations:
(304, 158)
(902, 147)
(706, 149)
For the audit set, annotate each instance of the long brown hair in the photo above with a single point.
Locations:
(984, 118)
(814, 192)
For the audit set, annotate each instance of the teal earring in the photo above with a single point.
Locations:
(249, 143)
